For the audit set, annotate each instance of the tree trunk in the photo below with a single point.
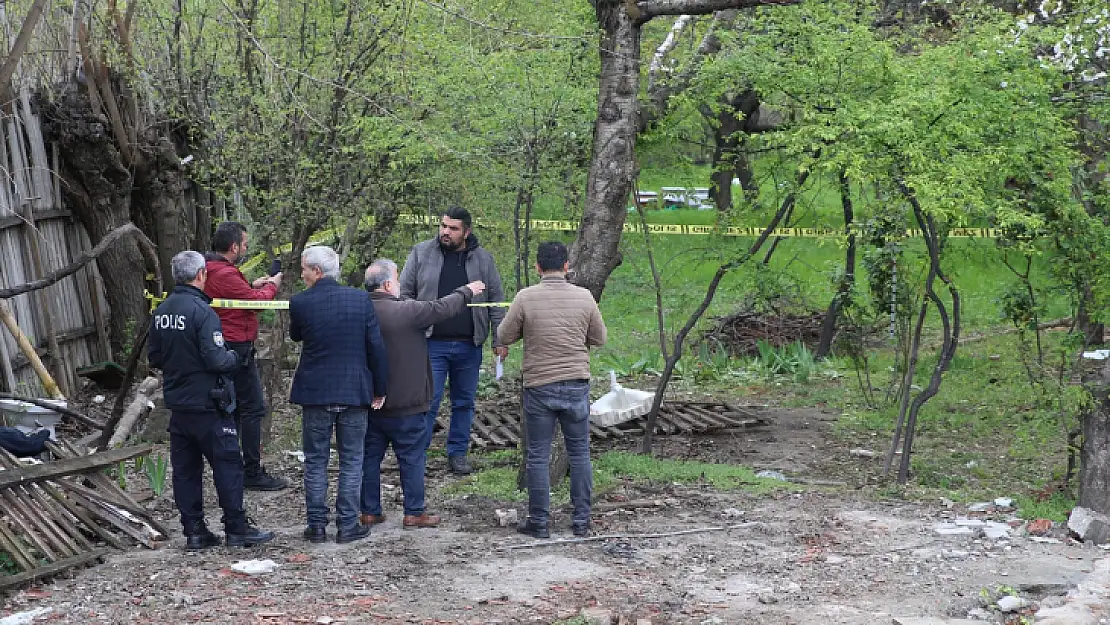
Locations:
(160, 206)
(595, 252)
(728, 141)
(1094, 465)
(832, 315)
(98, 190)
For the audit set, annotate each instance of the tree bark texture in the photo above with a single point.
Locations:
(98, 190)
(119, 171)
(595, 252)
(1094, 465)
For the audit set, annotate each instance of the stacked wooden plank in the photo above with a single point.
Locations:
(494, 430)
(66, 513)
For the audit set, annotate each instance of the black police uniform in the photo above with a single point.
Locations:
(187, 344)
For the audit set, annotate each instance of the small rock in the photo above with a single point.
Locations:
(951, 529)
(969, 523)
(325, 620)
(980, 614)
(1004, 502)
(955, 554)
(771, 475)
(995, 357)
(767, 598)
(861, 453)
(25, 618)
(996, 531)
(255, 567)
(1089, 525)
(1011, 604)
(1039, 527)
(732, 513)
(1046, 540)
(643, 621)
(831, 559)
(713, 620)
(507, 517)
(597, 615)
(971, 464)
(982, 506)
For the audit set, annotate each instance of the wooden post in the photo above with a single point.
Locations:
(48, 383)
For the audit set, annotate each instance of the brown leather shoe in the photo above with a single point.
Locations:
(412, 521)
(371, 520)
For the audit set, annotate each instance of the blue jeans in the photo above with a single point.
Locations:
(460, 360)
(406, 434)
(568, 403)
(350, 432)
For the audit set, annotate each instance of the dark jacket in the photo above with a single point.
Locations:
(403, 323)
(187, 344)
(226, 281)
(420, 281)
(343, 361)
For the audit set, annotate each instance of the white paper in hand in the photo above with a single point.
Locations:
(500, 368)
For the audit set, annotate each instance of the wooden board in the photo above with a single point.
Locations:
(492, 430)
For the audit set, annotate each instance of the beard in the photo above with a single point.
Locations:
(447, 244)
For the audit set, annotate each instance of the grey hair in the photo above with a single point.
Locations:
(323, 258)
(185, 266)
(378, 272)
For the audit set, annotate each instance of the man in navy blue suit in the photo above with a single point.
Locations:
(343, 372)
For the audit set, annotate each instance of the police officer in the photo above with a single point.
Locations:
(187, 343)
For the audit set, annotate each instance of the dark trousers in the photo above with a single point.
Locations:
(251, 408)
(194, 438)
(406, 434)
(568, 403)
(349, 423)
(461, 361)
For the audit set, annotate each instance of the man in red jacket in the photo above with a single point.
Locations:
(240, 330)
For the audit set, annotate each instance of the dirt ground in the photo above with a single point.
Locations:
(817, 556)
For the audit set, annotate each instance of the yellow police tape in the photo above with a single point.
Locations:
(244, 304)
(678, 229)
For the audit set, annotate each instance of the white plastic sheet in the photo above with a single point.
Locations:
(620, 404)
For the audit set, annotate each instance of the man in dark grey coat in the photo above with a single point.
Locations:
(401, 420)
(434, 269)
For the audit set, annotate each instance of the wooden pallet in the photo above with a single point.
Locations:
(61, 514)
(492, 430)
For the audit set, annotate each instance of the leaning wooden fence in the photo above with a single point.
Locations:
(66, 322)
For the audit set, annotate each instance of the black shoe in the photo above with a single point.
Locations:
(459, 465)
(358, 532)
(263, 481)
(315, 533)
(580, 530)
(198, 537)
(249, 537)
(535, 530)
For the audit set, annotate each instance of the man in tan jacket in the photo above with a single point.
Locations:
(559, 323)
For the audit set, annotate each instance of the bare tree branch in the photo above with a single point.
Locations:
(83, 260)
(654, 8)
(7, 70)
(665, 48)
